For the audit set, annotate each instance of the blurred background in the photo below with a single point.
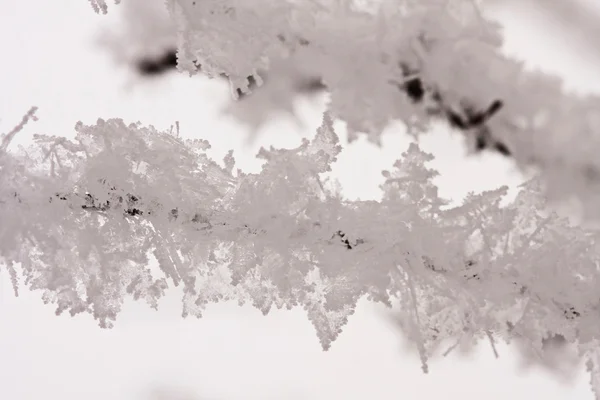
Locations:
(76, 65)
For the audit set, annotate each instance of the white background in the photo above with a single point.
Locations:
(49, 59)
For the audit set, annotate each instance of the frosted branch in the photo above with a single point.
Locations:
(448, 58)
(8, 137)
(279, 238)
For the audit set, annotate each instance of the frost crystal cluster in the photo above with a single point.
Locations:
(82, 219)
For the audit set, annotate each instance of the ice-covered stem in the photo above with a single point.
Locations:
(453, 51)
(134, 206)
(466, 118)
(273, 238)
(8, 137)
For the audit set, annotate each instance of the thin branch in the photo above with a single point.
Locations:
(8, 137)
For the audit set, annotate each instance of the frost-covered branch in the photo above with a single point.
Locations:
(278, 238)
(362, 52)
(133, 206)
(7, 138)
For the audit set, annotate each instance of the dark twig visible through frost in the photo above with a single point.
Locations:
(168, 61)
(133, 206)
(468, 117)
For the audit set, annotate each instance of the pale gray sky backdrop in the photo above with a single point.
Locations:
(48, 60)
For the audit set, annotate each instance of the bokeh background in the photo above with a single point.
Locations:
(55, 56)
